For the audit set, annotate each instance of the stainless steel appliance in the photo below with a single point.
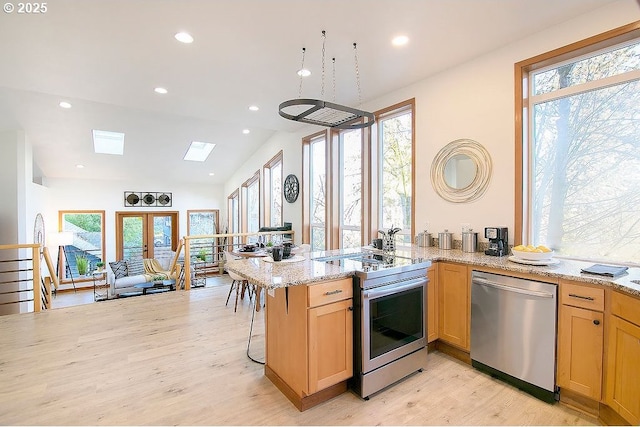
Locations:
(498, 241)
(389, 318)
(513, 331)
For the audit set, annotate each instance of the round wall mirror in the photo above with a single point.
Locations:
(461, 171)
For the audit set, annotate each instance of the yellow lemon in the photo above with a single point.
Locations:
(543, 248)
(519, 248)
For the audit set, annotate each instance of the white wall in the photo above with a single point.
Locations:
(291, 146)
(67, 194)
(474, 100)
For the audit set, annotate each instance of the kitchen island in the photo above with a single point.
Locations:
(308, 326)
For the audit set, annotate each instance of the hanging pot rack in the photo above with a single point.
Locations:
(325, 113)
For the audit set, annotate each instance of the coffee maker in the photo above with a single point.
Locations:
(498, 241)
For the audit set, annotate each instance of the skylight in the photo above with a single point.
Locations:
(107, 142)
(199, 151)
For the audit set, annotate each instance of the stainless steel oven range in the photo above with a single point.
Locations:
(389, 318)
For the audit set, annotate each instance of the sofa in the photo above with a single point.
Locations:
(125, 274)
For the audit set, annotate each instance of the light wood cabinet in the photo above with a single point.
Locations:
(432, 303)
(622, 392)
(581, 339)
(454, 304)
(330, 344)
(309, 340)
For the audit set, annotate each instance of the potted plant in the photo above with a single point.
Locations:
(202, 255)
(99, 265)
(82, 264)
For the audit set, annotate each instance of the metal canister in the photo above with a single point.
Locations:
(423, 239)
(469, 241)
(445, 240)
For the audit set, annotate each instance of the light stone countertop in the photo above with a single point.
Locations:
(278, 275)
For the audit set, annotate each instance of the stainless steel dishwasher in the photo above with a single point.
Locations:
(513, 331)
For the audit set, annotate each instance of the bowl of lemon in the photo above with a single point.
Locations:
(532, 253)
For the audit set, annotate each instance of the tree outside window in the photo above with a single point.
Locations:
(396, 157)
(585, 156)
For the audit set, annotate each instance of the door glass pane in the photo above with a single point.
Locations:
(132, 237)
(162, 236)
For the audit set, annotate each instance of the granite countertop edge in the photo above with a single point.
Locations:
(273, 276)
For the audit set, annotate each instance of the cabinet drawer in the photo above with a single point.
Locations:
(626, 307)
(581, 296)
(328, 292)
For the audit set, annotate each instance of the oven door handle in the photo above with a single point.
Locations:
(388, 290)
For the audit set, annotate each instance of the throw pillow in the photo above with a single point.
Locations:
(119, 269)
(135, 266)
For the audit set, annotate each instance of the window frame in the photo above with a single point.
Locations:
(269, 195)
(61, 262)
(522, 71)
(387, 113)
(244, 197)
(233, 219)
(307, 194)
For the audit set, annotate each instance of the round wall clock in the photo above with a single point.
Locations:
(291, 188)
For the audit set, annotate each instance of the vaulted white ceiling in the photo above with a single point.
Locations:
(105, 57)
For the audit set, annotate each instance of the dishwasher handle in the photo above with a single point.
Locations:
(485, 282)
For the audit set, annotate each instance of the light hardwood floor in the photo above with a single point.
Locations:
(179, 358)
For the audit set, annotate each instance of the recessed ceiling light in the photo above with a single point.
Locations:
(80, 166)
(184, 37)
(199, 151)
(211, 173)
(246, 131)
(64, 104)
(254, 108)
(161, 90)
(303, 72)
(107, 142)
(400, 40)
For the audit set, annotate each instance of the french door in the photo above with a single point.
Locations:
(145, 235)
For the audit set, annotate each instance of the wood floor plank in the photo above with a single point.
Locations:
(178, 358)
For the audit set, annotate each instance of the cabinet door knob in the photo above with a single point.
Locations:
(350, 308)
(596, 322)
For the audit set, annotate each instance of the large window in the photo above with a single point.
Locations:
(581, 150)
(395, 139)
(251, 204)
(82, 236)
(359, 181)
(350, 188)
(233, 214)
(318, 187)
(273, 191)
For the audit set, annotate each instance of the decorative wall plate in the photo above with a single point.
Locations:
(147, 199)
